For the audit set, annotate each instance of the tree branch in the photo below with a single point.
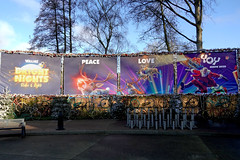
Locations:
(179, 31)
(190, 7)
(182, 17)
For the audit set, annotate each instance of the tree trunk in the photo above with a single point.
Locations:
(198, 20)
(56, 30)
(70, 25)
(165, 30)
(64, 28)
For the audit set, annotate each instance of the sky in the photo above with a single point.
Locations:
(220, 26)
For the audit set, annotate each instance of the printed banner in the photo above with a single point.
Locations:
(151, 74)
(30, 74)
(207, 73)
(90, 75)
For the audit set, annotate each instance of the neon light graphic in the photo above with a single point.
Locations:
(151, 74)
(31, 75)
(96, 77)
(207, 73)
(27, 74)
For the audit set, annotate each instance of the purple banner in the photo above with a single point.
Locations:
(30, 74)
(207, 73)
(90, 75)
(151, 74)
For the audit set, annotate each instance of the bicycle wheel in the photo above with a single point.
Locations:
(80, 103)
(35, 114)
(21, 107)
(149, 103)
(105, 104)
(134, 103)
(223, 101)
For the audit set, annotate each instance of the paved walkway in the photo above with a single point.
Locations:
(74, 127)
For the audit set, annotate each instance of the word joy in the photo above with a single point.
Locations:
(90, 61)
(147, 60)
(210, 60)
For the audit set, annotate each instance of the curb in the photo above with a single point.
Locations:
(132, 132)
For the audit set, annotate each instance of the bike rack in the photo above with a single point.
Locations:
(161, 119)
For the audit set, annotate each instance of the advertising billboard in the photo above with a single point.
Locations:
(30, 74)
(148, 74)
(207, 73)
(90, 75)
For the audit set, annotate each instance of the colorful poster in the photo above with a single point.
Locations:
(207, 73)
(149, 74)
(90, 75)
(30, 74)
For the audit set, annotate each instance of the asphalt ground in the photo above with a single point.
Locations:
(120, 147)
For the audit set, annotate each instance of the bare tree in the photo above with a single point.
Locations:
(169, 12)
(153, 14)
(190, 11)
(54, 26)
(103, 27)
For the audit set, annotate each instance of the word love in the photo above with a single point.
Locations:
(210, 60)
(90, 61)
(147, 60)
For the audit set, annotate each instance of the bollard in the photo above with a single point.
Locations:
(60, 121)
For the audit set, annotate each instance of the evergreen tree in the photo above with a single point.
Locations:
(6, 108)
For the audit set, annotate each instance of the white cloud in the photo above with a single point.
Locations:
(22, 46)
(7, 34)
(31, 4)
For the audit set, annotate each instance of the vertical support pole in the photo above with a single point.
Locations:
(237, 112)
(118, 75)
(175, 55)
(62, 76)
